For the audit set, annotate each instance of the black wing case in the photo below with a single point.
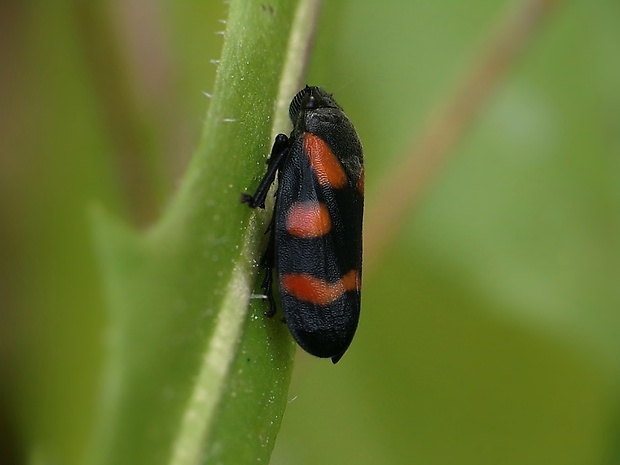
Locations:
(318, 236)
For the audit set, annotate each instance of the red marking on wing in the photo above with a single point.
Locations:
(317, 291)
(351, 281)
(326, 165)
(308, 219)
(360, 183)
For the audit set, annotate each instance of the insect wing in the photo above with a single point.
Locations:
(318, 240)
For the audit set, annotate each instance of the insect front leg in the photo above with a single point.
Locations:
(279, 151)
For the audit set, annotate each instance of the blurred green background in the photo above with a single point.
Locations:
(490, 328)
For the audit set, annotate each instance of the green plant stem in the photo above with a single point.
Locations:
(192, 376)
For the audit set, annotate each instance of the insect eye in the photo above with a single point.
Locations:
(310, 101)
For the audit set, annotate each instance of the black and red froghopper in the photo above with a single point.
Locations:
(316, 231)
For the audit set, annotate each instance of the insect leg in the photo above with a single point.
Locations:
(267, 262)
(279, 151)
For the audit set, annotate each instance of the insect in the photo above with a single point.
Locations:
(315, 244)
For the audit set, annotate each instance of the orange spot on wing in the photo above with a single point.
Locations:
(326, 165)
(308, 219)
(351, 281)
(317, 291)
(360, 183)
